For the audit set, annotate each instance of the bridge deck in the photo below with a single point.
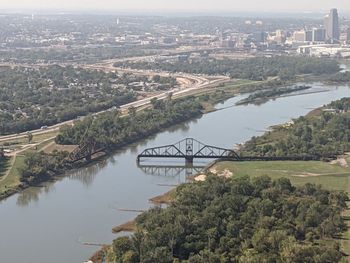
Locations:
(190, 149)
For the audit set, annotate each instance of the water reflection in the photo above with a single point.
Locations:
(184, 127)
(87, 175)
(86, 210)
(171, 170)
(32, 194)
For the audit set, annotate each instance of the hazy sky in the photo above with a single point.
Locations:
(178, 5)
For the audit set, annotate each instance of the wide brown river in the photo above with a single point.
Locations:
(49, 224)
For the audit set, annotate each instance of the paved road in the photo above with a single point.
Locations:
(189, 83)
(14, 154)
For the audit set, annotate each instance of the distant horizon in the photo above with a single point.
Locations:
(177, 7)
(177, 12)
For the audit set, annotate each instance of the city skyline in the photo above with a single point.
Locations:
(180, 5)
(331, 23)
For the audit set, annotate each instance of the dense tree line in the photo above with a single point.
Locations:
(39, 166)
(264, 95)
(342, 105)
(341, 77)
(322, 135)
(239, 220)
(286, 68)
(112, 130)
(109, 130)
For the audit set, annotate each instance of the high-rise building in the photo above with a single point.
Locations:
(303, 36)
(299, 36)
(280, 36)
(331, 24)
(348, 36)
(308, 35)
(259, 36)
(318, 35)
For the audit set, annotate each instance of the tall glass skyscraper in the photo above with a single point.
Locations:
(331, 24)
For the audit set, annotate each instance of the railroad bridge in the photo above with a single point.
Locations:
(2, 153)
(189, 149)
(85, 150)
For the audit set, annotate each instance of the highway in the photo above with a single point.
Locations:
(188, 84)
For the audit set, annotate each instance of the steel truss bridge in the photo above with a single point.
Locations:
(85, 151)
(189, 149)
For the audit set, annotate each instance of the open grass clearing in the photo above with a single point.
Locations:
(332, 177)
(5, 164)
(12, 180)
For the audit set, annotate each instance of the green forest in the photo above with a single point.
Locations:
(110, 131)
(31, 98)
(341, 77)
(323, 134)
(286, 68)
(265, 95)
(239, 220)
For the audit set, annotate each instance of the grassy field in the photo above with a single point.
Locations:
(5, 164)
(332, 177)
(12, 180)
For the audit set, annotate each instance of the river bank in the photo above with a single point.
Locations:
(208, 101)
(299, 172)
(208, 98)
(52, 175)
(118, 182)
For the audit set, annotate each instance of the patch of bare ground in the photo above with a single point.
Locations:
(315, 113)
(64, 148)
(200, 178)
(225, 173)
(213, 171)
(99, 256)
(126, 227)
(341, 161)
(304, 175)
(166, 198)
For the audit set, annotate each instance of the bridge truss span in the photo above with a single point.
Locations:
(189, 149)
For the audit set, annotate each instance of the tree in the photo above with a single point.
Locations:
(30, 137)
(121, 248)
(132, 111)
(235, 220)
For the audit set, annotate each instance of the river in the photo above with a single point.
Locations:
(49, 224)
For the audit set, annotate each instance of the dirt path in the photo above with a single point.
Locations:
(14, 154)
(49, 145)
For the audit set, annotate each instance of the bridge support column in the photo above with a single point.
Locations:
(189, 160)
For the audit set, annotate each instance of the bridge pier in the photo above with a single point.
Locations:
(189, 160)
